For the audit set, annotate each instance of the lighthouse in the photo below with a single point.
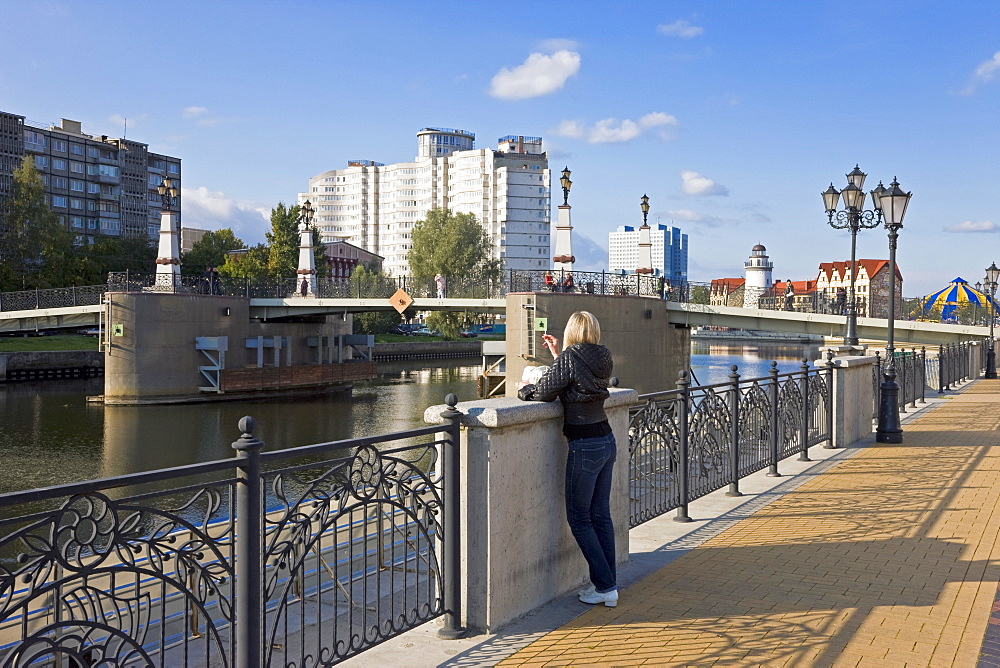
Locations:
(758, 276)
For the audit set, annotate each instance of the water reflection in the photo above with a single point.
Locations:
(50, 434)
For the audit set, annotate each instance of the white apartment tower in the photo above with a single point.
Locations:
(668, 248)
(758, 276)
(374, 206)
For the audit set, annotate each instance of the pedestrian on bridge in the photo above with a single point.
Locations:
(580, 377)
(439, 282)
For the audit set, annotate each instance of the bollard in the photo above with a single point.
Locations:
(804, 452)
(830, 445)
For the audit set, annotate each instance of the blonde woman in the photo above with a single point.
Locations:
(579, 377)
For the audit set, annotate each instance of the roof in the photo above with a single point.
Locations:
(870, 266)
(727, 284)
(758, 247)
(800, 287)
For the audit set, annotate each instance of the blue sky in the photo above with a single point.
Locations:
(731, 116)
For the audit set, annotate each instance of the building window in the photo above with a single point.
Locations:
(59, 200)
(59, 163)
(76, 204)
(41, 161)
(91, 223)
(58, 181)
(92, 152)
(77, 221)
(76, 167)
(174, 168)
(59, 145)
(76, 149)
(76, 186)
(93, 188)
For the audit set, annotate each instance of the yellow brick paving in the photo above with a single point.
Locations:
(891, 558)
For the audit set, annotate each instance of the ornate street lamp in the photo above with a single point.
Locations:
(566, 185)
(306, 212)
(168, 192)
(854, 218)
(645, 208)
(891, 204)
(990, 285)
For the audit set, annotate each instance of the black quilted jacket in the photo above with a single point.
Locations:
(579, 377)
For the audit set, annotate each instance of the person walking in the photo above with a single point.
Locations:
(789, 296)
(439, 282)
(580, 377)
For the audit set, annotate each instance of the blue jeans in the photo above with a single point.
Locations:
(588, 505)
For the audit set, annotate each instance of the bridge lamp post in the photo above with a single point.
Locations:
(990, 285)
(891, 204)
(852, 218)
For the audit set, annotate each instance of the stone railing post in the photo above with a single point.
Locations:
(513, 458)
(853, 398)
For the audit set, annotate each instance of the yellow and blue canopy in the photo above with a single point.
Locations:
(958, 293)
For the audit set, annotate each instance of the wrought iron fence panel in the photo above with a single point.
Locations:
(709, 433)
(98, 580)
(654, 460)
(791, 413)
(351, 557)
(819, 407)
(755, 429)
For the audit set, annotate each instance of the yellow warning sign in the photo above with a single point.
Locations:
(400, 300)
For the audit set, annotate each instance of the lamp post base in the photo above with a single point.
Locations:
(991, 363)
(889, 429)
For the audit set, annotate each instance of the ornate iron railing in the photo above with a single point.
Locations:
(289, 558)
(52, 298)
(911, 377)
(690, 441)
(955, 363)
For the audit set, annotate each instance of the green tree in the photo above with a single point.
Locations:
(700, 294)
(106, 254)
(448, 323)
(210, 251)
(251, 264)
(454, 245)
(36, 249)
(283, 241)
(368, 280)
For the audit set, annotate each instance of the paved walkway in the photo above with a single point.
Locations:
(889, 558)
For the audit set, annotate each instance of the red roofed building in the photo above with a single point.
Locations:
(727, 292)
(871, 285)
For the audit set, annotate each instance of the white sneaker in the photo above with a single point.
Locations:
(608, 598)
(589, 589)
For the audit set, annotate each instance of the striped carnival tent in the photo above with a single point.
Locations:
(958, 293)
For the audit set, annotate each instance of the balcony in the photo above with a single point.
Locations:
(107, 178)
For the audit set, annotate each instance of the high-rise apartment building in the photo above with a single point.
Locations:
(669, 249)
(374, 206)
(96, 185)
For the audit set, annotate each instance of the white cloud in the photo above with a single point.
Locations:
(558, 44)
(694, 217)
(213, 210)
(539, 75)
(200, 116)
(973, 226)
(697, 185)
(611, 130)
(984, 73)
(194, 112)
(680, 28)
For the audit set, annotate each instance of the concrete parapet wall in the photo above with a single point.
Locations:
(853, 398)
(517, 551)
(151, 352)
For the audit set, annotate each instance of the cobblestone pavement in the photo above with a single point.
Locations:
(890, 558)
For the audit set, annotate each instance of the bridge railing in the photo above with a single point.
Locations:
(263, 559)
(687, 442)
(25, 300)
(912, 377)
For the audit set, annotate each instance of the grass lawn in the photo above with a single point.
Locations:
(21, 344)
(400, 338)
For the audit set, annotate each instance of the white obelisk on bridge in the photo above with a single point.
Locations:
(306, 273)
(563, 259)
(168, 256)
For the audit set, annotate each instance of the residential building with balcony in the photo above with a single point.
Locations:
(96, 185)
(374, 206)
(669, 250)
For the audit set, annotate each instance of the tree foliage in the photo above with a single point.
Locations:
(251, 264)
(36, 249)
(364, 279)
(283, 241)
(210, 251)
(454, 245)
(106, 254)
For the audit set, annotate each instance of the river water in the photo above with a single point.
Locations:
(50, 434)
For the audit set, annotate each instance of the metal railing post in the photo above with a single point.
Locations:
(683, 384)
(772, 471)
(604, 290)
(38, 303)
(804, 452)
(830, 444)
(74, 295)
(914, 377)
(876, 382)
(940, 369)
(249, 605)
(923, 374)
(901, 397)
(452, 553)
(734, 433)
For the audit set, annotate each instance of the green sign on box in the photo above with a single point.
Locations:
(541, 324)
(117, 329)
